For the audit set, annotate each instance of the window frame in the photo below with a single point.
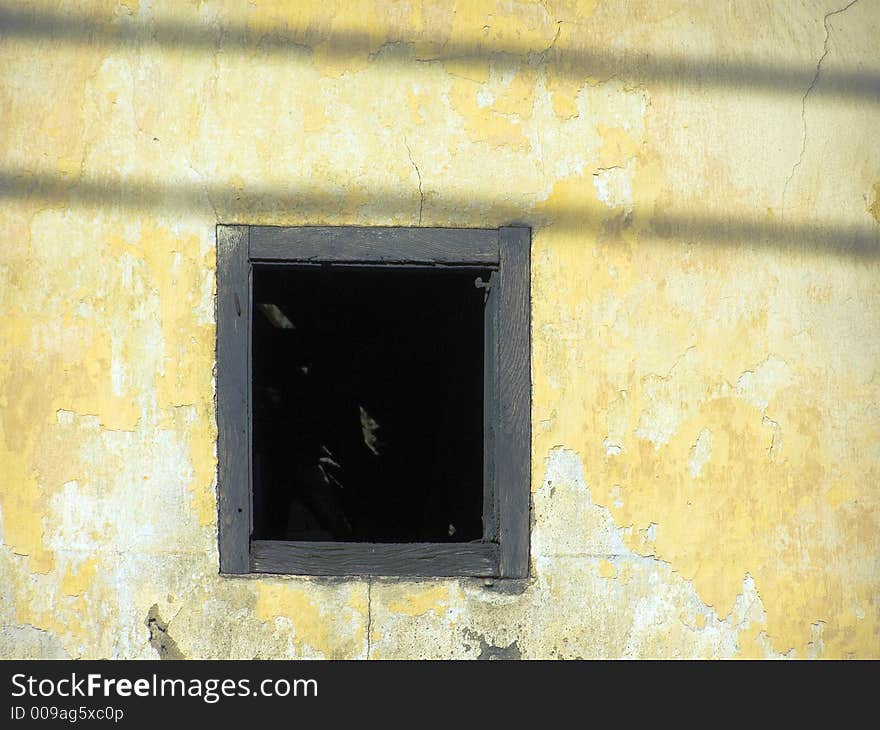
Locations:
(503, 551)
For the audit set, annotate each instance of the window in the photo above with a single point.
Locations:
(373, 400)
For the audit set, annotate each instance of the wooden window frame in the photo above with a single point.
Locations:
(504, 550)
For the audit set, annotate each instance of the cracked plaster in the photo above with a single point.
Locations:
(705, 432)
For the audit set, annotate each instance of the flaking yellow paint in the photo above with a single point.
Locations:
(420, 600)
(705, 299)
(78, 578)
(294, 604)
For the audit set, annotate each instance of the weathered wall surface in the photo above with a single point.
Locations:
(703, 181)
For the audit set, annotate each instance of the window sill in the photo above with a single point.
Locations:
(470, 559)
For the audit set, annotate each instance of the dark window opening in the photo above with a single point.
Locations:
(367, 390)
(373, 400)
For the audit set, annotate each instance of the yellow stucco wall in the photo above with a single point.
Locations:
(703, 183)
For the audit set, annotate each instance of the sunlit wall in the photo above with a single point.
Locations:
(702, 181)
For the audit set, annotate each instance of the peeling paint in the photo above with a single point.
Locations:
(705, 436)
(160, 640)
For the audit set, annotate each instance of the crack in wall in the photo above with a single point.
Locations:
(775, 439)
(826, 48)
(419, 175)
(559, 392)
(552, 45)
(369, 616)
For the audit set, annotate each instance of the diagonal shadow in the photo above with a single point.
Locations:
(258, 204)
(79, 28)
